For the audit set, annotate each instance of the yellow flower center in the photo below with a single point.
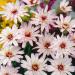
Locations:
(65, 26)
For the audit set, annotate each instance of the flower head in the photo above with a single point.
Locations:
(44, 18)
(8, 70)
(28, 34)
(9, 36)
(64, 46)
(13, 11)
(61, 66)
(10, 53)
(64, 6)
(65, 23)
(34, 65)
(45, 44)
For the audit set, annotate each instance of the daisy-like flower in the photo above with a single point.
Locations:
(45, 44)
(13, 11)
(10, 53)
(32, 2)
(64, 6)
(44, 17)
(28, 34)
(65, 23)
(64, 46)
(61, 66)
(34, 65)
(8, 36)
(8, 70)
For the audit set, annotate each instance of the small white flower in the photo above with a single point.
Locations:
(61, 66)
(28, 34)
(9, 36)
(10, 53)
(44, 17)
(13, 11)
(64, 6)
(32, 2)
(64, 46)
(34, 65)
(8, 70)
(45, 44)
(65, 23)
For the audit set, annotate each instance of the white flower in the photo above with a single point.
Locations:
(13, 11)
(65, 23)
(45, 44)
(10, 53)
(28, 34)
(8, 70)
(9, 35)
(64, 46)
(61, 66)
(34, 65)
(44, 17)
(64, 6)
(32, 2)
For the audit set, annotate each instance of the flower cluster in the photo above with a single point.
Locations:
(38, 39)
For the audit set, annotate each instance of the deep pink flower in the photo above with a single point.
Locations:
(51, 2)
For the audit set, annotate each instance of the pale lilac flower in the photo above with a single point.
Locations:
(64, 46)
(44, 18)
(65, 23)
(45, 44)
(14, 11)
(34, 65)
(9, 70)
(28, 33)
(61, 66)
(9, 36)
(64, 6)
(10, 53)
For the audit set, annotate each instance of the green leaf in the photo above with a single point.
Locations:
(26, 18)
(28, 49)
(15, 64)
(65, 32)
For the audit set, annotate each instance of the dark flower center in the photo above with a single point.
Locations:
(60, 67)
(35, 67)
(10, 36)
(9, 54)
(43, 18)
(32, 1)
(6, 74)
(47, 45)
(62, 45)
(27, 34)
(14, 11)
